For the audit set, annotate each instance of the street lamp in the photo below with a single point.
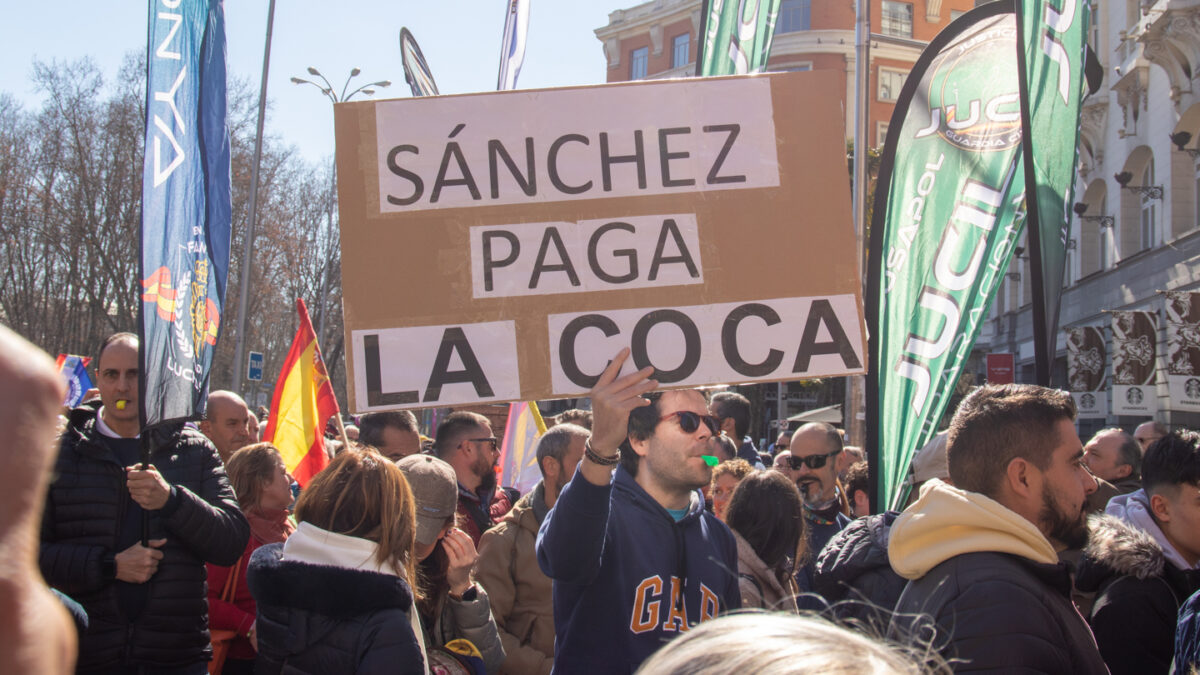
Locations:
(328, 90)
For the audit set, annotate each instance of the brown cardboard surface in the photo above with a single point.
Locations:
(414, 268)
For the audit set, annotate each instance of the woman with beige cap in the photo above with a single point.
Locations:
(451, 605)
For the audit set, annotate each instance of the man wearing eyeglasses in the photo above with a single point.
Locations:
(814, 450)
(634, 556)
(464, 441)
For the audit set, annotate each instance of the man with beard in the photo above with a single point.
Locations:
(507, 567)
(635, 558)
(985, 582)
(815, 448)
(465, 441)
(1142, 559)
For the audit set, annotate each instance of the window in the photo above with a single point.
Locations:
(679, 50)
(897, 18)
(802, 67)
(890, 83)
(1149, 210)
(637, 63)
(880, 134)
(1106, 234)
(794, 15)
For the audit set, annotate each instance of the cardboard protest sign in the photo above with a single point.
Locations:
(504, 246)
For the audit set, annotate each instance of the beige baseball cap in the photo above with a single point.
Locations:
(435, 491)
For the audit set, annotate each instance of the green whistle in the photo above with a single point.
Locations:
(710, 460)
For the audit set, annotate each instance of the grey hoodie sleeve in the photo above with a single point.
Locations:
(472, 620)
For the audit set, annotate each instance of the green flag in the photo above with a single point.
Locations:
(736, 36)
(1052, 53)
(948, 214)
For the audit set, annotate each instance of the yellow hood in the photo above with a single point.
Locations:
(946, 522)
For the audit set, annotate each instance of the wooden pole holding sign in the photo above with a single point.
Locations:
(503, 246)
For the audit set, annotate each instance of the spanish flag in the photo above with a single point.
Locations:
(302, 403)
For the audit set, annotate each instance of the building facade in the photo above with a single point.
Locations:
(1138, 187)
(659, 39)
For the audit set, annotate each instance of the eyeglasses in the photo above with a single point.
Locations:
(690, 421)
(493, 440)
(812, 461)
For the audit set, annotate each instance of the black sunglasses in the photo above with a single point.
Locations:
(690, 421)
(812, 461)
(493, 440)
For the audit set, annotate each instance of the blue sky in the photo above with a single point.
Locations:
(460, 40)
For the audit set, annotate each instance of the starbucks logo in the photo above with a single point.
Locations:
(1134, 395)
(1191, 388)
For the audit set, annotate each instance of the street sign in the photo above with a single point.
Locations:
(254, 367)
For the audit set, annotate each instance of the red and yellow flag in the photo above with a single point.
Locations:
(303, 402)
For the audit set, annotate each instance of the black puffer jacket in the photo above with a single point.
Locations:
(854, 576)
(999, 613)
(324, 619)
(1138, 595)
(202, 523)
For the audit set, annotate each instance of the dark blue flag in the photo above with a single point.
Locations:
(185, 206)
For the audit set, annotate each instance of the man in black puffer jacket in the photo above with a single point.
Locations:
(854, 576)
(146, 606)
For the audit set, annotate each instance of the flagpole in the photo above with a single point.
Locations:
(1043, 355)
(248, 242)
(862, 82)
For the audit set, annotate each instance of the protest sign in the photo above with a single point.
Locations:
(503, 246)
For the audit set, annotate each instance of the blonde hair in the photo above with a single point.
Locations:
(776, 643)
(738, 468)
(364, 494)
(250, 469)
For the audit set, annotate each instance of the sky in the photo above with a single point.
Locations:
(460, 40)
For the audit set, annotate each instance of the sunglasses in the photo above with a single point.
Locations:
(812, 461)
(493, 440)
(690, 421)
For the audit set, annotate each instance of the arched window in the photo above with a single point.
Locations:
(1149, 210)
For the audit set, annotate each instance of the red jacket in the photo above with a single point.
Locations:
(239, 614)
(474, 520)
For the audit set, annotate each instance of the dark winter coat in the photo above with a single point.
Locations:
(80, 530)
(1001, 613)
(1138, 595)
(1187, 635)
(853, 573)
(323, 619)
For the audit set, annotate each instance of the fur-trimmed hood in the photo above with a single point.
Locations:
(336, 592)
(1123, 548)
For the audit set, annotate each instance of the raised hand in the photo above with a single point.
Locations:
(461, 552)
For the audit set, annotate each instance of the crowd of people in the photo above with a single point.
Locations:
(1021, 548)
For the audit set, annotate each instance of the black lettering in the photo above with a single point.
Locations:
(566, 346)
(733, 130)
(454, 339)
(729, 340)
(527, 182)
(638, 157)
(375, 394)
(627, 253)
(691, 344)
(551, 236)
(514, 246)
(665, 156)
(452, 149)
(552, 164)
(684, 256)
(822, 312)
(418, 184)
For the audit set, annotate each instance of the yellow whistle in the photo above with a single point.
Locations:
(121, 404)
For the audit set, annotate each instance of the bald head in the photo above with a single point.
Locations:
(227, 423)
(1149, 432)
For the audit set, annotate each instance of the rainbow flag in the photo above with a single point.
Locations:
(302, 403)
(518, 455)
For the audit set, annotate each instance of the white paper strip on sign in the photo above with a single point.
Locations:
(615, 141)
(591, 255)
(425, 366)
(783, 338)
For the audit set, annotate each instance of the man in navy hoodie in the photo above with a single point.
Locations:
(635, 558)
